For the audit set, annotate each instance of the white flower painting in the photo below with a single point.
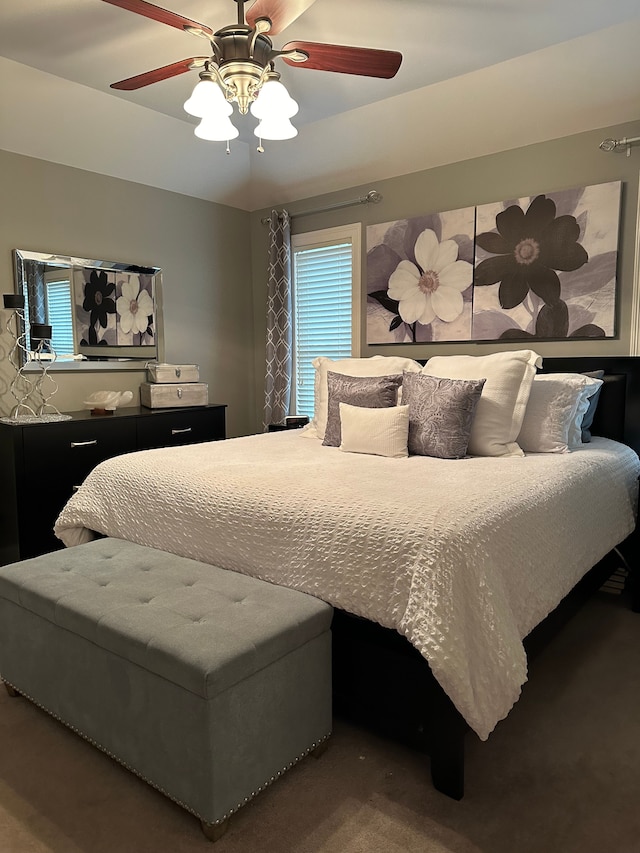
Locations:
(113, 308)
(540, 267)
(419, 277)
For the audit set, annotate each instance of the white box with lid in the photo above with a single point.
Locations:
(167, 395)
(159, 372)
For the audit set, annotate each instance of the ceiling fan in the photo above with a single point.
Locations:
(241, 66)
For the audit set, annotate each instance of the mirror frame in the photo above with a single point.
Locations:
(126, 358)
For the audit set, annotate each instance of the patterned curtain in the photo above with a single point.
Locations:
(36, 298)
(34, 276)
(279, 340)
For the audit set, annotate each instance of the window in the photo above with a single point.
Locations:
(58, 310)
(326, 303)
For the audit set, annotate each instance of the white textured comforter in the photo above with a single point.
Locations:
(463, 557)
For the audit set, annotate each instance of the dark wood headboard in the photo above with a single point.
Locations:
(618, 412)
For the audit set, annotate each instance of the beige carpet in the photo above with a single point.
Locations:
(560, 775)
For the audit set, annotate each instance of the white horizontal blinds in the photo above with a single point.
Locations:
(59, 314)
(323, 277)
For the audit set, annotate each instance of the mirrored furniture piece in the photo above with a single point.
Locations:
(99, 311)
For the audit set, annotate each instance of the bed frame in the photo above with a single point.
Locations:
(382, 682)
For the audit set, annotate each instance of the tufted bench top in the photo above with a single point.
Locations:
(196, 625)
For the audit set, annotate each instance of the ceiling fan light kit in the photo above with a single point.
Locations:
(241, 68)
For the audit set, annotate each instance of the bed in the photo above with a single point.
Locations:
(438, 568)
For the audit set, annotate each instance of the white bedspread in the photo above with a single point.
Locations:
(463, 557)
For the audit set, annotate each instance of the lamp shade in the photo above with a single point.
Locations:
(275, 129)
(13, 300)
(207, 99)
(274, 102)
(41, 332)
(216, 129)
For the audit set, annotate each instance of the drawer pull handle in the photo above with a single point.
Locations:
(84, 443)
(179, 431)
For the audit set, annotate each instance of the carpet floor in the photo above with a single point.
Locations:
(560, 775)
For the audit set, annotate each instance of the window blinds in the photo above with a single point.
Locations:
(322, 313)
(59, 313)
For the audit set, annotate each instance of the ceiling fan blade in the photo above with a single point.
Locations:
(141, 7)
(367, 62)
(158, 74)
(281, 13)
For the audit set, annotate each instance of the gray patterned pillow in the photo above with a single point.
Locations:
(370, 392)
(440, 414)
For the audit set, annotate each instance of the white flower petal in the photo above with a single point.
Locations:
(447, 254)
(145, 304)
(458, 275)
(403, 280)
(130, 289)
(427, 250)
(428, 315)
(126, 321)
(412, 307)
(122, 305)
(140, 322)
(447, 303)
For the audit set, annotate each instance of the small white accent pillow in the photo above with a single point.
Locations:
(381, 432)
(501, 407)
(557, 404)
(376, 365)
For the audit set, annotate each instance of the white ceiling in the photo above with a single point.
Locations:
(477, 76)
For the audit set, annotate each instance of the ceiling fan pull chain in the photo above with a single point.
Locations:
(228, 148)
(260, 149)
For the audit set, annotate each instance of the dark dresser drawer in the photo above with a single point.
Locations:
(67, 451)
(42, 464)
(181, 426)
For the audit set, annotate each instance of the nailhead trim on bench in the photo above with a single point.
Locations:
(153, 784)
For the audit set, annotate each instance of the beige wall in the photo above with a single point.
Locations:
(560, 164)
(215, 286)
(200, 246)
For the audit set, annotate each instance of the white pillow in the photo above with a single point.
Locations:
(501, 407)
(588, 389)
(553, 418)
(381, 432)
(376, 365)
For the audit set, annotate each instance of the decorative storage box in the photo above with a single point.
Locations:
(173, 372)
(166, 395)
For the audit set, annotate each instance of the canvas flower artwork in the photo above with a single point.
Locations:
(113, 308)
(419, 276)
(539, 267)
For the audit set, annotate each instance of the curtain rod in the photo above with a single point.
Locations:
(372, 197)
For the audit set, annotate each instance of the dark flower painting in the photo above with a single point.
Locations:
(539, 267)
(545, 266)
(113, 308)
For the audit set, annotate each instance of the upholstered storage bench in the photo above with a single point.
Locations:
(206, 683)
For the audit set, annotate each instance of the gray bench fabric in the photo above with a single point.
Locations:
(206, 683)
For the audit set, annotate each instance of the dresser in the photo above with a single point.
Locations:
(42, 464)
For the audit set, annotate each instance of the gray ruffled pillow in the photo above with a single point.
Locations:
(587, 421)
(441, 414)
(370, 392)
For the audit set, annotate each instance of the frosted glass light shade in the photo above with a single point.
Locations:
(275, 129)
(216, 129)
(207, 99)
(274, 102)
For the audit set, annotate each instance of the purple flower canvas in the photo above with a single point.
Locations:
(541, 267)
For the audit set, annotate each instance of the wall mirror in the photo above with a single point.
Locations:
(99, 311)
